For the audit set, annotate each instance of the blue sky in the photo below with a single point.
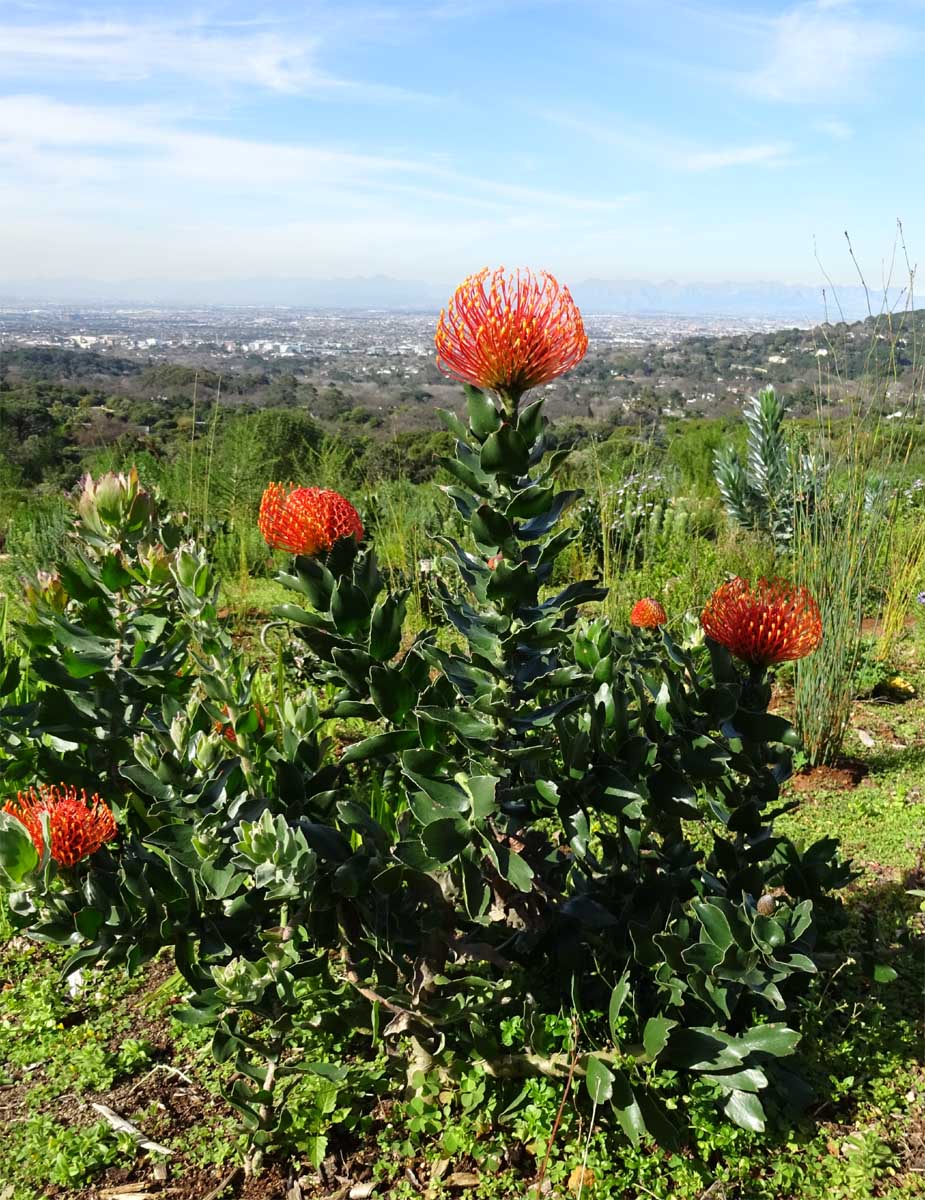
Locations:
(611, 139)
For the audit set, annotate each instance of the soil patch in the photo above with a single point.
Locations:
(845, 775)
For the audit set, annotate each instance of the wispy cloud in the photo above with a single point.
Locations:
(655, 148)
(254, 54)
(43, 137)
(825, 50)
(840, 131)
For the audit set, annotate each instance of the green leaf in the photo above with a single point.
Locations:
(627, 1108)
(745, 1110)
(466, 724)
(490, 528)
(715, 924)
(505, 452)
(702, 1049)
(385, 627)
(447, 838)
(484, 418)
(655, 1035)
(617, 999)
(751, 1080)
(452, 422)
(392, 742)
(514, 869)
(349, 608)
(530, 421)
(774, 1039)
(658, 1123)
(883, 973)
(598, 1080)
(18, 855)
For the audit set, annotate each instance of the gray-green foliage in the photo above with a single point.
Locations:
(763, 492)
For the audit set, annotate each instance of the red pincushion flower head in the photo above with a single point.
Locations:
(509, 332)
(648, 614)
(78, 826)
(306, 520)
(771, 623)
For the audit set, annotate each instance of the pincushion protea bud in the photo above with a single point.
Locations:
(771, 623)
(509, 332)
(306, 520)
(647, 614)
(78, 826)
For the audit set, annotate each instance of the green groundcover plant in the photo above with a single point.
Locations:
(541, 810)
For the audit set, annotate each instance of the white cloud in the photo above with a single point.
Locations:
(769, 155)
(140, 156)
(824, 50)
(653, 147)
(839, 130)
(119, 50)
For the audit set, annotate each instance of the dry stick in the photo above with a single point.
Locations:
(555, 1124)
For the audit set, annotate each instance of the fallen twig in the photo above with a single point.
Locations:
(122, 1126)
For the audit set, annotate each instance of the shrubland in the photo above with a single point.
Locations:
(455, 830)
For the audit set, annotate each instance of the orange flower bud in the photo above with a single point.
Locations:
(648, 614)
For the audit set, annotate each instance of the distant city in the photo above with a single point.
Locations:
(233, 333)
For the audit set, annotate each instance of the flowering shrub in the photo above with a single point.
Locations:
(577, 815)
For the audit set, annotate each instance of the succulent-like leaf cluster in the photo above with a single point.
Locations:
(764, 492)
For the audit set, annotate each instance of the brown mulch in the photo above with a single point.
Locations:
(842, 777)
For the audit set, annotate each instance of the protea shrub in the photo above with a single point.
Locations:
(575, 814)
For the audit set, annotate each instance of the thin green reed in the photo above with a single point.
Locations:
(843, 546)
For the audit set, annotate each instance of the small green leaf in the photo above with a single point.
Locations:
(18, 855)
(447, 838)
(392, 742)
(598, 1080)
(774, 1039)
(484, 418)
(655, 1035)
(627, 1108)
(745, 1110)
(617, 999)
(883, 973)
(505, 452)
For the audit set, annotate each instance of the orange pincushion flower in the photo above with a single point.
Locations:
(771, 623)
(78, 826)
(647, 614)
(509, 333)
(306, 520)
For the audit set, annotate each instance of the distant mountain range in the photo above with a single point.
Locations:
(630, 297)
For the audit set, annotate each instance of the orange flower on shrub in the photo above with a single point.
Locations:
(493, 562)
(647, 614)
(78, 826)
(771, 623)
(509, 332)
(306, 520)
